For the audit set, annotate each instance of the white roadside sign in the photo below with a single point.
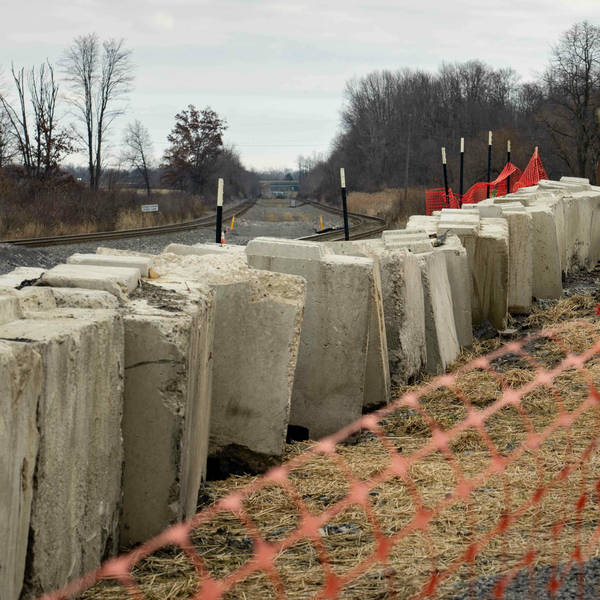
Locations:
(149, 207)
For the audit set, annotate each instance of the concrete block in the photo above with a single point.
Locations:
(10, 309)
(459, 274)
(490, 268)
(258, 320)
(593, 198)
(166, 420)
(546, 279)
(20, 389)
(330, 376)
(141, 263)
(405, 357)
(116, 280)
(82, 298)
(17, 277)
(77, 485)
(521, 251)
(440, 331)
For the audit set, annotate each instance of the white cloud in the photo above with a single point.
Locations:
(276, 69)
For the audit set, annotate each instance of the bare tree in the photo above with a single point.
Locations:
(6, 148)
(573, 90)
(40, 141)
(138, 151)
(99, 76)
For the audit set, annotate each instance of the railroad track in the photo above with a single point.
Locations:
(206, 221)
(361, 226)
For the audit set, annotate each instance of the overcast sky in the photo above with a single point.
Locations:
(276, 70)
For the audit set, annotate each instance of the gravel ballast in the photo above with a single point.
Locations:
(267, 218)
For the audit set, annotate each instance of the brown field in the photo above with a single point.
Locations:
(389, 204)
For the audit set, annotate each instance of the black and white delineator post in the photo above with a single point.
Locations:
(508, 162)
(344, 204)
(219, 211)
(489, 172)
(462, 166)
(445, 168)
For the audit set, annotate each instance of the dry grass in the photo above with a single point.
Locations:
(348, 538)
(388, 204)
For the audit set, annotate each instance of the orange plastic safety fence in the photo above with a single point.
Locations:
(436, 199)
(533, 173)
(498, 187)
(478, 482)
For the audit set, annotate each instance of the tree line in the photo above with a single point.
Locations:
(393, 123)
(57, 110)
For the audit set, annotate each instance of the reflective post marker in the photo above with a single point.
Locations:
(462, 166)
(489, 173)
(219, 211)
(344, 204)
(445, 168)
(508, 162)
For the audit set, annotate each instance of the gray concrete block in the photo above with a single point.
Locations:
(77, 486)
(141, 263)
(18, 276)
(459, 274)
(116, 280)
(440, 331)
(10, 308)
(20, 389)
(257, 332)
(547, 279)
(330, 376)
(168, 370)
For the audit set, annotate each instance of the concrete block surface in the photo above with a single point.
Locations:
(141, 263)
(75, 504)
(119, 281)
(20, 390)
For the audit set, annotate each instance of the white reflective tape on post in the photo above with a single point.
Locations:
(490, 139)
(443, 155)
(508, 145)
(220, 193)
(462, 145)
(343, 177)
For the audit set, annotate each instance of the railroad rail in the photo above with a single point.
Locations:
(362, 226)
(205, 221)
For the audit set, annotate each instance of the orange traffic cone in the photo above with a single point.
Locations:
(222, 238)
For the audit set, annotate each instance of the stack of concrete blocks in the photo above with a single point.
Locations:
(168, 343)
(403, 309)
(486, 243)
(61, 395)
(332, 378)
(258, 321)
(442, 344)
(520, 266)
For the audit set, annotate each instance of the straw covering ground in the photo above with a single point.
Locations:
(461, 480)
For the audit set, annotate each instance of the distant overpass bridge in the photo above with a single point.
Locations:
(283, 188)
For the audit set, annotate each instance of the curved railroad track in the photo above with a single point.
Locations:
(361, 226)
(205, 221)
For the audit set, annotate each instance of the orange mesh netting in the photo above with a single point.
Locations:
(473, 484)
(498, 187)
(437, 199)
(533, 173)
